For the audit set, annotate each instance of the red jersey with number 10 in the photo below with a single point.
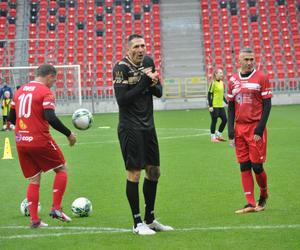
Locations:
(29, 102)
(248, 93)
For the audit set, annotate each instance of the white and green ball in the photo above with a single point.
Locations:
(82, 119)
(82, 207)
(24, 207)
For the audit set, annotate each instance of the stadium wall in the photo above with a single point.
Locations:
(110, 106)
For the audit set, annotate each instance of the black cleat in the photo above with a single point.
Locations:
(246, 209)
(261, 204)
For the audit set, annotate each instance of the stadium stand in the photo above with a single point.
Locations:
(8, 12)
(272, 29)
(91, 33)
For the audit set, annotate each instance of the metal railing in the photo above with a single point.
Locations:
(198, 87)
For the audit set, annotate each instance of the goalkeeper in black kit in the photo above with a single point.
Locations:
(135, 82)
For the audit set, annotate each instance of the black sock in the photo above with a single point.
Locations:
(149, 190)
(132, 192)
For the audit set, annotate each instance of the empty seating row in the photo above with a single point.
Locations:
(272, 30)
(91, 33)
(8, 13)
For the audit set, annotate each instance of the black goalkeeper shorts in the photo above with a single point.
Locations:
(139, 147)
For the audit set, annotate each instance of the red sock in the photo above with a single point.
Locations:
(261, 180)
(59, 187)
(33, 195)
(248, 186)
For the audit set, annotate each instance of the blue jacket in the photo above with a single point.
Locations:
(5, 88)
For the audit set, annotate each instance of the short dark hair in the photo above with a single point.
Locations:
(45, 70)
(133, 36)
(246, 50)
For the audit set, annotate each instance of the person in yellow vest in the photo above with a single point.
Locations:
(216, 108)
(5, 110)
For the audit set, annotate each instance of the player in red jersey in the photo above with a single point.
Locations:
(32, 110)
(249, 96)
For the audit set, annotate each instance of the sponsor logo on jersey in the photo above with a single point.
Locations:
(18, 137)
(118, 77)
(239, 98)
(29, 88)
(236, 87)
(134, 79)
(22, 125)
(26, 138)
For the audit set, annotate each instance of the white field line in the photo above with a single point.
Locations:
(116, 141)
(100, 230)
(160, 138)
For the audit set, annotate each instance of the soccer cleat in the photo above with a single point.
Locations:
(214, 140)
(220, 138)
(261, 204)
(158, 227)
(246, 209)
(38, 224)
(142, 229)
(60, 215)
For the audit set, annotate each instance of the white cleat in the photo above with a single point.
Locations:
(158, 227)
(143, 229)
(60, 215)
(38, 224)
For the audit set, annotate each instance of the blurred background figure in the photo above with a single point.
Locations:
(5, 88)
(5, 105)
(216, 108)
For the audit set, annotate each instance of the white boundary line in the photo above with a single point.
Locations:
(100, 230)
(116, 141)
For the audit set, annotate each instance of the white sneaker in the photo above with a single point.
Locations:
(143, 229)
(157, 226)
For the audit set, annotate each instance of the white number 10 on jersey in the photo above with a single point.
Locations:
(25, 105)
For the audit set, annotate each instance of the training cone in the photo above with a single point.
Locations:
(7, 150)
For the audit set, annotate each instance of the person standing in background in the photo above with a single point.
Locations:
(5, 88)
(216, 108)
(5, 110)
(249, 105)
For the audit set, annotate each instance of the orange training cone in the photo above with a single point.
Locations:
(7, 150)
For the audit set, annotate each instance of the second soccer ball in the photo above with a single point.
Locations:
(24, 207)
(82, 119)
(82, 207)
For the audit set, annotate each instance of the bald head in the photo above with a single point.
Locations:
(246, 60)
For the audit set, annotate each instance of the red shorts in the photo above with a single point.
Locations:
(34, 160)
(246, 148)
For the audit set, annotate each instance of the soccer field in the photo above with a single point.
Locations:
(198, 191)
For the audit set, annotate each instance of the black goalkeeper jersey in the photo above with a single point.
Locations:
(134, 93)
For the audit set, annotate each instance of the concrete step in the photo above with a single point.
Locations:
(180, 5)
(183, 68)
(182, 43)
(183, 50)
(192, 42)
(182, 73)
(177, 61)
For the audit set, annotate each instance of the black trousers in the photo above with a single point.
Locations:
(218, 113)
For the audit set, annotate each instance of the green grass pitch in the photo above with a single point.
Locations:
(198, 191)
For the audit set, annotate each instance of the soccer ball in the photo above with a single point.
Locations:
(24, 207)
(81, 207)
(82, 119)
